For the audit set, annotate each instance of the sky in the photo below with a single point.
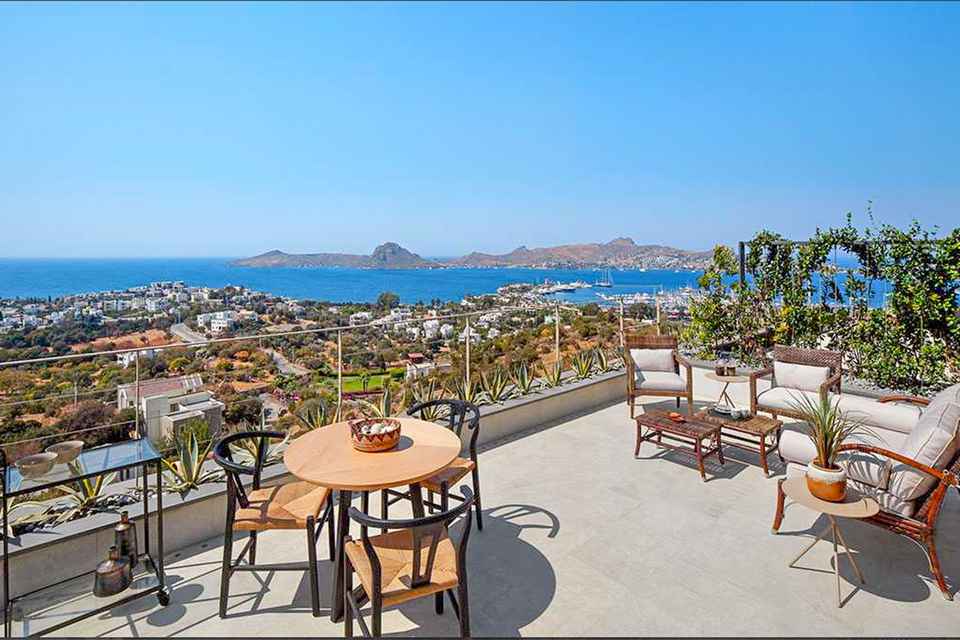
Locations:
(182, 129)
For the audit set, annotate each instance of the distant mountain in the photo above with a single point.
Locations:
(620, 253)
(389, 255)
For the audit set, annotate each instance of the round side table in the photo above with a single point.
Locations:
(855, 506)
(727, 381)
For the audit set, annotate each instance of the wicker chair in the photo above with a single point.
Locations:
(416, 558)
(293, 505)
(638, 341)
(453, 414)
(922, 526)
(797, 355)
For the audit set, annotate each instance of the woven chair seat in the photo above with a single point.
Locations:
(395, 552)
(284, 506)
(451, 475)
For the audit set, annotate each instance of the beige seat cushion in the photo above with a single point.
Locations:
(900, 417)
(950, 395)
(659, 381)
(785, 399)
(654, 359)
(800, 376)
(887, 501)
(933, 442)
(284, 506)
(395, 552)
(451, 475)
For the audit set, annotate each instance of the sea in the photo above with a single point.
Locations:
(53, 277)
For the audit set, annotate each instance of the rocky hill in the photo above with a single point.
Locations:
(389, 255)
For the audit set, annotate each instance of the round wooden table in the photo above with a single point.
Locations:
(727, 381)
(854, 506)
(326, 457)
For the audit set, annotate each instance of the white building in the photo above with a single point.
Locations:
(128, 358)
(361, 317)
(169, 403)
(446, 331)
(218, 321)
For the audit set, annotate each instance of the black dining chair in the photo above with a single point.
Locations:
(455, 415)
(414, 559)
(292, 505)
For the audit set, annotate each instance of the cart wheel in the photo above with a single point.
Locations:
(163, 597)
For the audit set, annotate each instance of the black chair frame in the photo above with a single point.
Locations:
(237, 495)
(453, 414)
(428, 527)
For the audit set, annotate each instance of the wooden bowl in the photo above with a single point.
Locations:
(676, 417)
(37, 465)
(374, 442)
(66, 452)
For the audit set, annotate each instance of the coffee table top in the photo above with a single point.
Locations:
(758, 425)
(729, 379)
(691, 427)
(854, 506)
(326, 457)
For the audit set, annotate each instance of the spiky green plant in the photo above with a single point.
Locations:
(321, 417)
(583, 365)
(466, 390)
(618, 360)
(381, 409)
(17, 504)
(603, 363)
(82, 496)
(425, 391)
(496, 386)
(187, 472)
(827, 427)
(245, 450)
(553, 376)
(523, 379)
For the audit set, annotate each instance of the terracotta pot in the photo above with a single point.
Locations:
(827, 484)
(719, 369)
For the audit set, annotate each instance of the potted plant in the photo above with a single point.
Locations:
(828, 428)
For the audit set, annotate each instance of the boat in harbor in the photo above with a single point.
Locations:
(605, 280)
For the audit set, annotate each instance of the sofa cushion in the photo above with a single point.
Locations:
(886, 415)
(932, 442)
(887, 501)
(654, 360)
(785, 399)
(800, 376)
(950, 395)
(659, 381)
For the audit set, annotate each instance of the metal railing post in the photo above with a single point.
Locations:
(658, 314)
(136, 405)
(556, 331)
(339, 369)
(622, 341)
(469, 335)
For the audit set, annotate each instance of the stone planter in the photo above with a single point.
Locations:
(827, 484)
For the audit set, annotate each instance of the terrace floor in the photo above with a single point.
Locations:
(581, 539)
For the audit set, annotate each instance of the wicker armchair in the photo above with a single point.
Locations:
(923, 525)
(797, 355)
(671, 389)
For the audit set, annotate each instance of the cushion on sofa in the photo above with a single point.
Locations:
(786, 399)
(932, 442)
(800, 376)
(654, 359)
(659, 381)
(887, 501)
(950, 395)
(886, 415)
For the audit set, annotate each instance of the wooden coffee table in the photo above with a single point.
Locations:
(690, 434)
(749, 434)
(854, 506)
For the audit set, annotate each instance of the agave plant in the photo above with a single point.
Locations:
(466, 390)
(496, 386)
(321, 417)
(523, 380)
(82, 496)
(245, 450)
(422, 391)
(381, 409)
(618, 360)
(603, 364)
(187, 471)
(17, 504)
(828, 427)
(553, 376)
(583, 364)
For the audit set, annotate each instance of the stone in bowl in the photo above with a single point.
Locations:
(66, 451)
(37, 465)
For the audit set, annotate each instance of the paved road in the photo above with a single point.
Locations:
(184, 333)
(287, 368)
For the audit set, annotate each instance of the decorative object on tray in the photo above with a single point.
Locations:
(113, 575)
(66, 452)
(730, 371)
(36, 465)
(828, 428)
(728, 413)
(375, 434)
(719, 369)
(676, 417)
(723, 409)
(125, 538)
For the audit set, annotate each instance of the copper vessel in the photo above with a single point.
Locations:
(112, 576)
(125, 537)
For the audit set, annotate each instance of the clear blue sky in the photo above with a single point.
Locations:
(219, 129)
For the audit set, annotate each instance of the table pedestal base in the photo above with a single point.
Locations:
(833, 529)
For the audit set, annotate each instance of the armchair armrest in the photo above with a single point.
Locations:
(756, 375)
(763, 373)
(833, 382)
(913, 399)
(686, 365)
(943, 476)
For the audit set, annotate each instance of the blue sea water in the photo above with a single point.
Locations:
(43, 277)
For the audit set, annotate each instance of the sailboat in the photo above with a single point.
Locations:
(605, 281)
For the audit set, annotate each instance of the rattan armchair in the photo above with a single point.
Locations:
(292, 505)
(415, 558)
(683, 390)
(922, 526)
(797, 355)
